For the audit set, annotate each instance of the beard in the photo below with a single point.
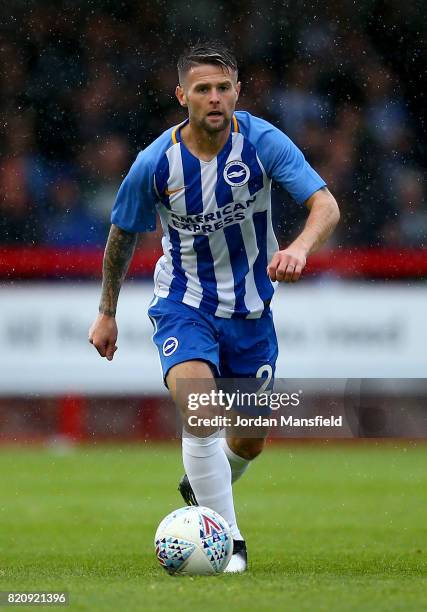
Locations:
(214, 129)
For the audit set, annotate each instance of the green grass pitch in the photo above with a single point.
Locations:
(328, 528)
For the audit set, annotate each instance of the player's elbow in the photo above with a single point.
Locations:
(335, 214)
(329, 208)
(324, 204)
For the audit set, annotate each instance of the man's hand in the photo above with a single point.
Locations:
(103, 335)
(288, 264)
(117, 257)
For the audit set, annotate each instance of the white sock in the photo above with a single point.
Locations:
(209, 474)
(238, 464)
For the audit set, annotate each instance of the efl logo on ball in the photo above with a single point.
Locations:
(236, 173)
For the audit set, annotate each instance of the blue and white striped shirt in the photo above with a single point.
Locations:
(216, 215)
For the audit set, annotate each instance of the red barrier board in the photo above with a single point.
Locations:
(47, 262)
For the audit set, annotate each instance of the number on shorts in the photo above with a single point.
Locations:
(265, 369)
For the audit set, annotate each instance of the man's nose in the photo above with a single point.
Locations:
(214, 98)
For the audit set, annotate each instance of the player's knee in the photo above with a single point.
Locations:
(247, 448)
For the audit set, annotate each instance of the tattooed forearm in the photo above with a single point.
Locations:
(117, 257)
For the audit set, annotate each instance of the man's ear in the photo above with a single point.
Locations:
(180, 94)
(238, 86)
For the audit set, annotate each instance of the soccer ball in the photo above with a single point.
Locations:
(193, 540)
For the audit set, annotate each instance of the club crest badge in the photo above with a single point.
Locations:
(236, 173)
(169, 346)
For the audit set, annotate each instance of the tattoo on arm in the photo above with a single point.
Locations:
(117, 257)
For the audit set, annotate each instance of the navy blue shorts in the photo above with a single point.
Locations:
(235, 348)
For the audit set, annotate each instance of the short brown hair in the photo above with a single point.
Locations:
(212, 52)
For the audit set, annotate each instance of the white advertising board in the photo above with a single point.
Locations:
(325, 330)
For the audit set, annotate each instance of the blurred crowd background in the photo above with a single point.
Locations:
(85, 85)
